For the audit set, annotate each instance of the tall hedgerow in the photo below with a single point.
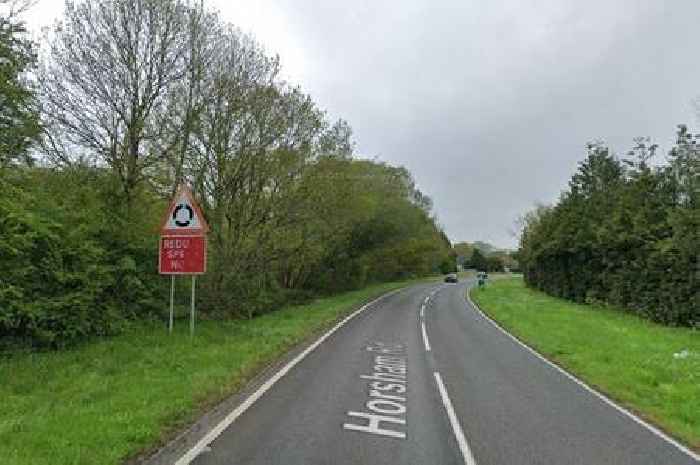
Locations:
(626, 232)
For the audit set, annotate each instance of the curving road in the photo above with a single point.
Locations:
(420, 377)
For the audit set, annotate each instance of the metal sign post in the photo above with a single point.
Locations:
(172, 299)
(194, 278)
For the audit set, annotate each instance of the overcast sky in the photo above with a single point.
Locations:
(488, 103)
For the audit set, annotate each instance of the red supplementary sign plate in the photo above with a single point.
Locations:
(182, 255)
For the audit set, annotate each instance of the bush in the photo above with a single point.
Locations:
(64, 276)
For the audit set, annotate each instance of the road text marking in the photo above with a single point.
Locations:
(387, 389)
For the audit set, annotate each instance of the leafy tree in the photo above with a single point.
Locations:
(685, 167)
(107, 81)
(463, 252)
(19, 122)
(478, 261)
(337, 141)
(494, 264)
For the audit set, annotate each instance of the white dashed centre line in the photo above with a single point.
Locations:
(425, 336)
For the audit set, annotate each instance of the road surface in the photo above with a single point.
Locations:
(420, 377)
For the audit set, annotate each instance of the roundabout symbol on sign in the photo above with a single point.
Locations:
(183, 217)
(178, 218)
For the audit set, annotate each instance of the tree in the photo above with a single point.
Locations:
(494, 264)
(254, 140)
(337, 141)
(685, 167)
(107, 82)
(478, 261)
(19, 122)
(463, 251)
(596, 175)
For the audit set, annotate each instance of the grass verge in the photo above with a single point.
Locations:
(106, 401)
(630, 359)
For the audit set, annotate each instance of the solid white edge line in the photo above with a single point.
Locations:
(586, 387)
(425, 336)
(197, 449)
(456, 428)
(422, 311)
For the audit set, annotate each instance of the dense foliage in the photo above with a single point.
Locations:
(626, 233)
(140, 96)
(67, 268)
(18, 116)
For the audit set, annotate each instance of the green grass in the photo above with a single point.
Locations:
(630, 359)
(106, 401)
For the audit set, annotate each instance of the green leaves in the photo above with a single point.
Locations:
(358, 222)
(66, 272)
(19, 121)
(625, 234)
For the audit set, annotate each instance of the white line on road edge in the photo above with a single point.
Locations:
(238, 411)
(456, 428)
(422, 311)
(427, 299)
(586, 387)
(425, 336)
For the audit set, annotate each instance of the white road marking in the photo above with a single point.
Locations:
(388, 379)
(456, 428)
(422, 311)
(373, 426)
(425, 336)
(198, 448)
(427, 299)
(586, 387)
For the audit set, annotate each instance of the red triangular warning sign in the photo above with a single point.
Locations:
(184, 217)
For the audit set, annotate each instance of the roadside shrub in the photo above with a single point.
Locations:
(63, 275)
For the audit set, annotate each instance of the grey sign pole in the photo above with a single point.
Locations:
(194, 277)
(172, 298)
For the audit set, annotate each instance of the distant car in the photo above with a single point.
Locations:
(451, 278)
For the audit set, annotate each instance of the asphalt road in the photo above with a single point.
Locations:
(372, 393)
